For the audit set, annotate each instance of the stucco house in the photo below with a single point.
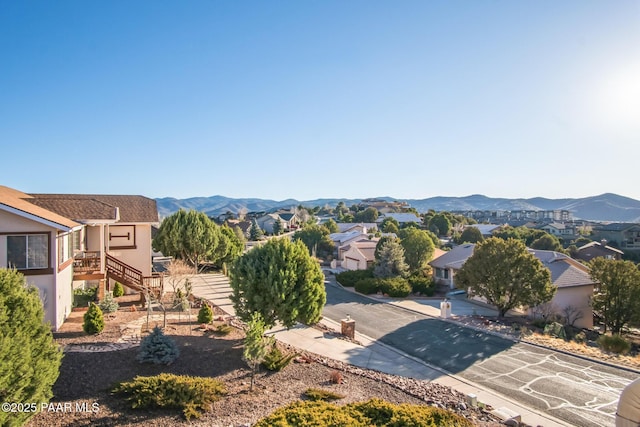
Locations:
(623, 235)
(357, 255)
(289, 221)
(597, 249)
(558, 229)
(571, 278)
(62, 241)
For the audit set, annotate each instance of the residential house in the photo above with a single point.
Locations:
(357, 255)
(58, 241)
(363, 227)
(624, 235)
(597, 249)
(289, 220)
(571, 278)
(342, 239)
(558, 229)
(402, 218)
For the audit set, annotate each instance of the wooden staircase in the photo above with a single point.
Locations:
(133, 278)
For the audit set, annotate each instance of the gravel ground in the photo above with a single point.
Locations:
(85, 379)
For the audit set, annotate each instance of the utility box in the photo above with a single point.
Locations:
(445, 309)
(348, 327)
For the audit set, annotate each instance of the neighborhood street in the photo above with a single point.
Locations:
(581, 392)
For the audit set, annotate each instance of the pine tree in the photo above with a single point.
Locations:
(205, 315)
(391, 261)
(93, 320)
(255, 344)
(108, 304)
(255, 232)
(158, 348)
(29, 357)
(278, 228)
(118, 290)
(281, 281)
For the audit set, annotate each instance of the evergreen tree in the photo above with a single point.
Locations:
(255, 232)
(205, 315)
(278, 228)
(391, 261)
(93, 320)
(281, 281)
(255, 344)
(108, 304)
(118, 290)
(617, 293)
(190, 236)
(158, 348)
(29, 357)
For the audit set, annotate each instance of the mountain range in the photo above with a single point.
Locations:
(605, 207)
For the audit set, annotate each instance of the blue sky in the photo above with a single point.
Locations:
(311, 99)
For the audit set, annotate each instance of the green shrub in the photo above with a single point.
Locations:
(29, 356)
(275, 361)
(192, 395)
(556, 330)
(324, 395)
(374, 412)
(223, 329)
(82, 297)
(158, 348)
(367, 286)
(422, 285)
(349, 279)
(580, 337)
(93, 320)
(118, 290)
(395, 287)
(205, 315)
(539, 323)
(614, 344)
(108, 304)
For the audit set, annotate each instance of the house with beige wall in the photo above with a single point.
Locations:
(62, 241)
(574, 287)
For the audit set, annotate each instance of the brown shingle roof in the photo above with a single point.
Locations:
(22, 202)
(98, 206)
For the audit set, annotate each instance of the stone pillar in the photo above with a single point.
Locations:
(348, 327)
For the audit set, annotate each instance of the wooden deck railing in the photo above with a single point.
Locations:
(87, 261)
(122, 272)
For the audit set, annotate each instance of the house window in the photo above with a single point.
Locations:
(442, 273)
(28, 252)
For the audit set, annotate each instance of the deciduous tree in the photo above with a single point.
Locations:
(507, 275)
(470, 235)
(418, 248)
(281, 281)
(617, 292)
(29, 357)
(441, 223)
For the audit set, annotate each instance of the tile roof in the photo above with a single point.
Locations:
(99, 207)
(20, 201)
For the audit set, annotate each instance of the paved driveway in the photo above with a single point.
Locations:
(572, 389)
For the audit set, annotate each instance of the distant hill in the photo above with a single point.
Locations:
(605, 207)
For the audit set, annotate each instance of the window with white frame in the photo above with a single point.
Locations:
(27, 252)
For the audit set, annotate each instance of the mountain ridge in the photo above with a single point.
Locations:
(603, 207)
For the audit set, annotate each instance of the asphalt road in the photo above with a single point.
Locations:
(577, 391)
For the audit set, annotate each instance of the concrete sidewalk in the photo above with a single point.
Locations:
(371, 354)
